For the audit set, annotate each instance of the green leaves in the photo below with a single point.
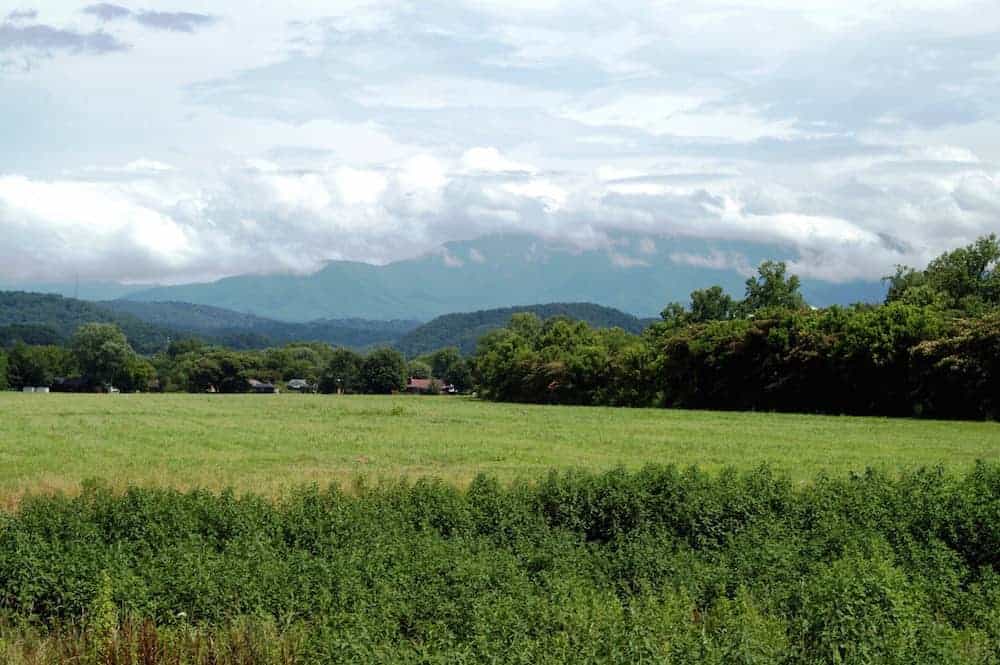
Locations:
(660, 565)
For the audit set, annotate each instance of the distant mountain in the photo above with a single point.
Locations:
(83, 290)
(47, 318)
(639, 275)
(464, 330)
(240, 330)
(40, 318)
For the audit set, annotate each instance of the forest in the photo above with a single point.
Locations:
(932, 349)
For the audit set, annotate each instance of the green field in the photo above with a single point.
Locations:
(267, 443)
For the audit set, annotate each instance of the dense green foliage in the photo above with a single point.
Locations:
(966, 279)
(660, 565)
(28, 333)
(3, 371)
(34, 318)
(898, 359)
(931, 350)
(238, 330)
(38, 365)
(464, 330)
(383, 371)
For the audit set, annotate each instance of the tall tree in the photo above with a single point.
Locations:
(965, 279)
(772, 288)
(342, 372)
(37, 365)
(712, 304)
(102, 352)
(383, 371)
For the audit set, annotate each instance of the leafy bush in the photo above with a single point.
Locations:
(660, 565)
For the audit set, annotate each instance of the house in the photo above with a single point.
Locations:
(421, 386)
(300, 386)
(429, 386)
(262, 387)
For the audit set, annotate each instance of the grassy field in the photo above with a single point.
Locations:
(266, 443)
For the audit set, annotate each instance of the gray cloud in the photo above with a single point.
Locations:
(107, 12)
(175, 21)
(45, 38)
(850, 136)
(22, 15)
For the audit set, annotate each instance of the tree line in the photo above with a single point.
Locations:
(99, 356)
(931, 349)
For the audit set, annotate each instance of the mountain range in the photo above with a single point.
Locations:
(36, 318)
(635, 274)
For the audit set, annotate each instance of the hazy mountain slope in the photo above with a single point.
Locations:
(241, 330)
(464, 330)
(65, 315)
(82, 291)
(640, 275)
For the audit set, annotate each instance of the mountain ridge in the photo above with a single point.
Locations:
(637, 274)
(463, 329)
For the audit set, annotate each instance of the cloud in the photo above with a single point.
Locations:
(22, 15)
(107, 12)
(848, 136)
(175, 21)
(716, 260)
(46, 39)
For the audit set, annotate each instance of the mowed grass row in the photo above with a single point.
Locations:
(267, 443)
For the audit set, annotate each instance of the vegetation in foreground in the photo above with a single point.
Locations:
(661, 565)
(265, 443)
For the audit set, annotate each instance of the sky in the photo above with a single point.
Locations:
(192, 140)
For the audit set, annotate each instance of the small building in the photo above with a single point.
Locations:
(429, 387)
(27, 389)
(262, 387)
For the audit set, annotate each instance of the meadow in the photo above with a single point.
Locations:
(614, 549)
(266, 443)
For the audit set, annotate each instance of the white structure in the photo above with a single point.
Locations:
(27, 389)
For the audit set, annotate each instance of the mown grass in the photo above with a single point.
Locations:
(268, 443)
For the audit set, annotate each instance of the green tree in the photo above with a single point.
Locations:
(711, 304)
(138, 375)
(3, 371)
(965, 279)
(37, 365)
(102, 352)
(417, 369)
(342, 372)
(772, 288)
(442, 360)
(674, 315)
(383, 371)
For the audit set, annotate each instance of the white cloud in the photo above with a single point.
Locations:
(857, 135)
(489, 160)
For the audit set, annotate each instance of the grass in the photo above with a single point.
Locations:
(268, 443)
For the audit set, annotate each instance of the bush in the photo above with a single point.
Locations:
(661, 565)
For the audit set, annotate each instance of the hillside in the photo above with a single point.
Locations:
(464, 330)
(239, 330)
(47, 318)
(637, 274)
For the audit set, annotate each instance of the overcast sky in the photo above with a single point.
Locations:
(190, 140)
